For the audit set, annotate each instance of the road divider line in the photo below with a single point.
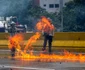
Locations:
(19, 67)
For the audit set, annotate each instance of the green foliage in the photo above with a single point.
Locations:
(79, 1)
(74, 17)
(25, 11)
(35, 12)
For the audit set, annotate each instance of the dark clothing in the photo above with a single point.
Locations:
(13, 51)
(47, 38)
(12, 29)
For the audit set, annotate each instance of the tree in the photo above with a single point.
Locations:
(74, 16)
(79, 1)
(26, 12)
(35, 12)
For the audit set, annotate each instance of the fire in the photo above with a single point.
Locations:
(27, 54)
(44, 23)
(32, 40)
(15, 41)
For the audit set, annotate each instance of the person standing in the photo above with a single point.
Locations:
(13, 51)
(48, 33)
(12, 31)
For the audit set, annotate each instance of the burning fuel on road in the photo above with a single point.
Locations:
(22, 54)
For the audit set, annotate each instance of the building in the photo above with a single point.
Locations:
(50, 5)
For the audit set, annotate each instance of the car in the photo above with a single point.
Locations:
(20, 28)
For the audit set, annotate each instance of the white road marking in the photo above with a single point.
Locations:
(6, 66)
(4, 50)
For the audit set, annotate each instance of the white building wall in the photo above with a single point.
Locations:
(47, 3)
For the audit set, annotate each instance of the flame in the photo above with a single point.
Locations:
(39, 26)
(32, 40)
(15, 41)
(44, 24)
(23, 54)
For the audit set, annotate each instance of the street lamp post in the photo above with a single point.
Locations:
(61, 11)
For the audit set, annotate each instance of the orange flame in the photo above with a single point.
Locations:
(15, 41)
(32, 40)
(23, 55)
(44, 24)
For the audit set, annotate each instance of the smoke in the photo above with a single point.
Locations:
(12, 6)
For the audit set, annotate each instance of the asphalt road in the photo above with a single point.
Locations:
(9, 64)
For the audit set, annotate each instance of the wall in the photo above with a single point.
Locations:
(61, 39)
(47, 2)
(69, 36)
(57, 36)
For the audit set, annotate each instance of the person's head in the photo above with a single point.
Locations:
(42, 17)
(50, 20)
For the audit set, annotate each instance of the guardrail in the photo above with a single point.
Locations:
(57, 36)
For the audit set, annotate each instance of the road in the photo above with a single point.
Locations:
(9, 64)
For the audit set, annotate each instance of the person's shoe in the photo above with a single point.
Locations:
(43, 50)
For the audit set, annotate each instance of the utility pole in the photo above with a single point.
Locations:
(61, 11)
